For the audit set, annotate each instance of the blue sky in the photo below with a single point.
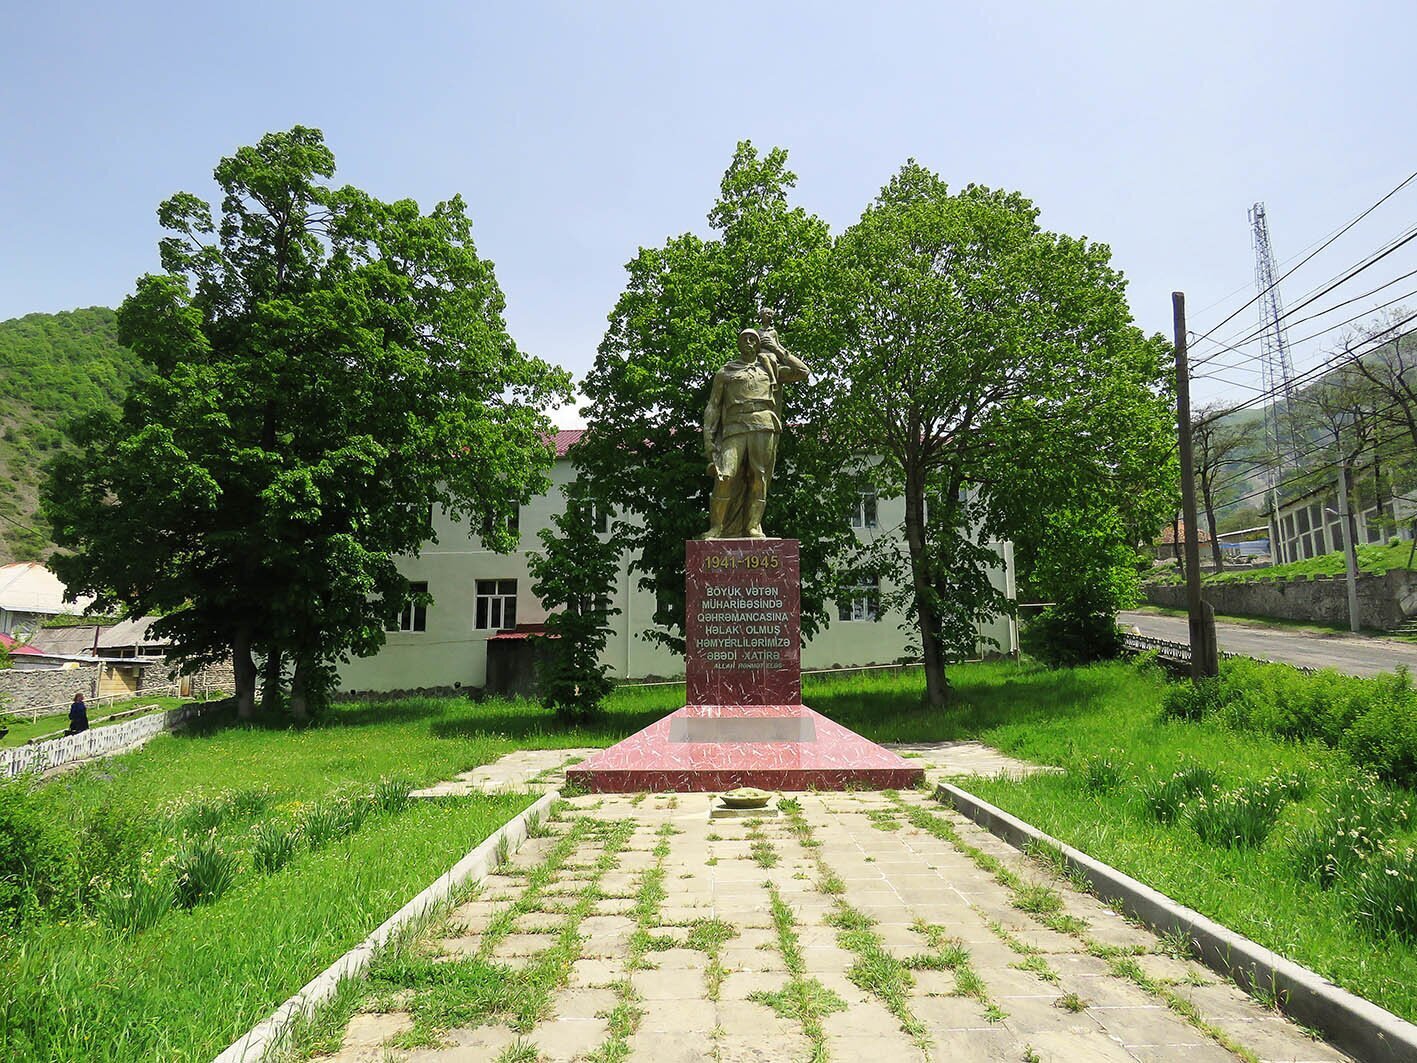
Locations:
(578, 132)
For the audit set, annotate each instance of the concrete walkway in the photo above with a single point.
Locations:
(1354, 654)
(854, 926)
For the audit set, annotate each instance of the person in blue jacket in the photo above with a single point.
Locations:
(78, 715)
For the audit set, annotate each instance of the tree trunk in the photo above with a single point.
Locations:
(1176, 546)
(1210, 523)
(244, 670)
(300, 689)
(270, 684)
(936, 686)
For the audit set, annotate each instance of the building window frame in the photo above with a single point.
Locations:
(865, 514)
(496, 604)
(413, 617)
(864, 603)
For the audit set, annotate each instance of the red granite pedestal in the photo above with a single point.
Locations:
(744, 724)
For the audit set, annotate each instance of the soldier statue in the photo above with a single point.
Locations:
(742, 423)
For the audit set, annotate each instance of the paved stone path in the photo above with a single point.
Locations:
(946, 760)
(1353, 654)
(526, 771)
(853, 926)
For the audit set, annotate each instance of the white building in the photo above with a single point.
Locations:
(477, 592)
(29, 595)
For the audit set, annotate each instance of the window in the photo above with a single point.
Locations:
(512, 522)
(865, 603)
(414, 616)
(864, 515)
(600, 518)
(496, 604)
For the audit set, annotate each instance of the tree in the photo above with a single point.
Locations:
(672, 328)
(575, 579)
(1218, 444)
(995, 369)
(324, 368)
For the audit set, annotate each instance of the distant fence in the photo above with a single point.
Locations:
(61, 708)
(98, 741)
(1179, 653)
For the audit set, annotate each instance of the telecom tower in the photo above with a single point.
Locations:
(1276, 367)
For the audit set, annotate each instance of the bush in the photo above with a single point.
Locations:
(1354, 823)
(1240, 818)
(272, 847)
(1191, 701)
(391, 795)
(1164, 798)
(1383, 896)
(135, 903)
(204, 872)
(39, 858)
(326, 821)
(207, 814)
(1063, 637)
(1103, 774)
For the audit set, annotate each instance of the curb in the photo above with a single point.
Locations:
(263, 1038)
(1355, 1025)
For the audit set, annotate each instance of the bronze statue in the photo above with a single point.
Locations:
(742, 423)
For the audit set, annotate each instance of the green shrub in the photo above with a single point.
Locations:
(208, 814)
(1190, 701)
(135, 902)
(204, 872)
(1238, 819)
(324, 822)
(391, 795)
(1103, 774)
(1164, 798)
(39, 857)
(1383, 895)
(1063, 637)
(272, 846)
(1353, 823)
(112, 840)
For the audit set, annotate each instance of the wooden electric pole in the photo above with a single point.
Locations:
(1204, 655)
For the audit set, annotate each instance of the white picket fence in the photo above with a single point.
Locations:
(96, 742)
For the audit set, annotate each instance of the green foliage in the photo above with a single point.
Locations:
(135, 902)
(1383, 895)
(39, 861)
(204, 872)
(1356, 819)
(1241, 818)
(995, 369)
(671, 330)
(323, 368)
(574, 581)
(1164, 797)
(273, 846)
(1079, 631)
(1104, 773)
(53, 368)
(1373, 719)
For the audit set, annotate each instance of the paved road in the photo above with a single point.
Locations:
(1354, 654)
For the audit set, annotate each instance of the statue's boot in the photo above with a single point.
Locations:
(718, 513)
(755, 518)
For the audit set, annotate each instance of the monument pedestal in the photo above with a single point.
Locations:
(744, 724)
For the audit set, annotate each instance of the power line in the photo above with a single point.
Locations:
(1318, 250)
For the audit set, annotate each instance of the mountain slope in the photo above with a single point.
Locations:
(52, 367)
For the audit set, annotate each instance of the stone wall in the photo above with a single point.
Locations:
(46, 690)
(1384, 601)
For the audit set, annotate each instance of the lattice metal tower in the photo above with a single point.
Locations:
(1276, 366)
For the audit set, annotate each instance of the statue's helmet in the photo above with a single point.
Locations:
(748, 341)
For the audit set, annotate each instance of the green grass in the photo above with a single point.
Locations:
(198, 979)
(1377, 558)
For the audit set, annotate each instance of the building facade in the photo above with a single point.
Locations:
(1308, 526)
(476, 593)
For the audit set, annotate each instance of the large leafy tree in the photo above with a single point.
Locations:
(673, 327)
(995, 370)
(326, 368)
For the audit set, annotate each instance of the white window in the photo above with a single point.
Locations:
(863, 605)
(864, 515)
(496, 604)
(414, 615)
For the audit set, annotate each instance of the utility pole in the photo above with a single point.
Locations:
(1204, 655)
(1350, 556)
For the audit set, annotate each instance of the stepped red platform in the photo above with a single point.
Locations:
(745, 725)
(721, 747)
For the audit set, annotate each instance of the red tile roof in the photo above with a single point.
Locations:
(16, 647)
(565, 437)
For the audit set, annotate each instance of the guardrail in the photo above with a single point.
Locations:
(1179, 653)
(43, 757)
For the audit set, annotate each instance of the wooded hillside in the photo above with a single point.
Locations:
(52, 367)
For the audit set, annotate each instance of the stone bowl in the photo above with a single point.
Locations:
(746, 797)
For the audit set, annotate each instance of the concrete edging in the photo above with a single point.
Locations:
(1353, 1024)
(266, 1036)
